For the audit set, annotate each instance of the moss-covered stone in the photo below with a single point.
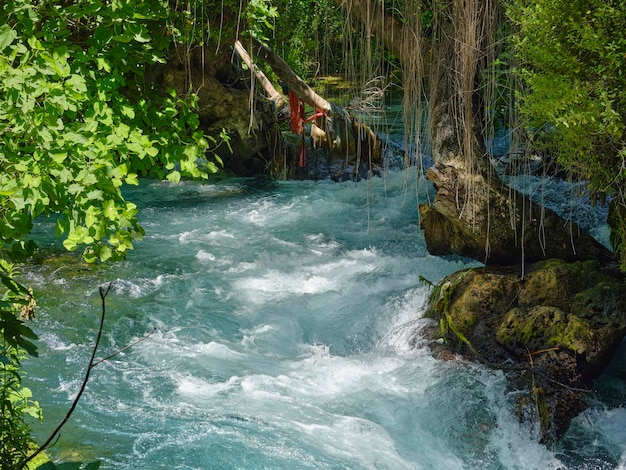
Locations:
(553, 330)
(541, 327)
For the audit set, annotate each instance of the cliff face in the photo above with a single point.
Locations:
(551, 333)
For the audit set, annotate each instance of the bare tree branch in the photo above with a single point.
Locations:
(103, 293)
(143, 338)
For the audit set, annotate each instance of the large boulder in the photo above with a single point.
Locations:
(483, 219)
(552, 331)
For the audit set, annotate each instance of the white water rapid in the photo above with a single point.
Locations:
(284, 314)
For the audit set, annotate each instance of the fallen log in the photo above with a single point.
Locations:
(273, 94)
(348, 141)
(294, 82)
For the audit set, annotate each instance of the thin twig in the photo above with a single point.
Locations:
(124, 348)
(569, 387)
(103, 294)
(92, 363)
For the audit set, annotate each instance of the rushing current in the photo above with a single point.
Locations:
(286, 315)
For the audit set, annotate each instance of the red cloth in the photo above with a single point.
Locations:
(296, 116)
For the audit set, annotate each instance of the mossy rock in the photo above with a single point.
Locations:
(555, 329)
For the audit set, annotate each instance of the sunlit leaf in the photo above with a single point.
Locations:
(7, 36)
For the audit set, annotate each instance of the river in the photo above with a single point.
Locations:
(284, 314)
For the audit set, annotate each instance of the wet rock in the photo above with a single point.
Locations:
(551, 331)
(482, 219)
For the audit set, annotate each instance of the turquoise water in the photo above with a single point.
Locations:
(285, 313)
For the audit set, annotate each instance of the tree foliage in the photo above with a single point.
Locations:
(78, 122)
(572, 64)
(79, 119)
(16, 305)
(308, 34)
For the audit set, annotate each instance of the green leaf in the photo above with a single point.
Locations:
(152, 151)
(15, 333)
(174, 177)
(7, 36)
(128, 111)
(13, 285)
(76, 83)
(72, 241)
(122, 130)
(58, 157)
(105, 253)
(103, 64)
(109, 210)
(139, 32)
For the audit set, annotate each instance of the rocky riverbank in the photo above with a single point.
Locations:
(551, 331)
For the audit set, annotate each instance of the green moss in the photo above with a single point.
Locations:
(440, 297)
(574, 335)
(463, 317)
(548, 264)
(541, 327)
(451, 320)
(515, 329)
(38, 461)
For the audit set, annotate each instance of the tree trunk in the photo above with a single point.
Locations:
(473, 214)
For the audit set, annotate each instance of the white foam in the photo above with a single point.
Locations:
(249, 338)
(198, 388)
(55, 343)
(403, 335)
(69, 387)
(517, 444)
(266, 212)
(322, 376)
(140, 287)
(215, 350)
(352, 439)
(216, 237)
(307, 279)
(278, 285)
(611, 423)
(319, 244)
(241, 267)
(205, 256)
